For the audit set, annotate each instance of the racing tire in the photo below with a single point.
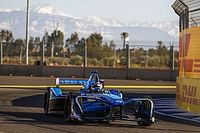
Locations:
(142, 118)
(143, 122)
(68, 107)
(150, 119)
(46, 101)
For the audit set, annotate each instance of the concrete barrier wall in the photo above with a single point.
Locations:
(108, 73)
(152, 74)
(80, 72)
(20, 70)
(62, 71)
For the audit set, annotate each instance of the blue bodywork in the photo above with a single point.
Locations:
(98, 104)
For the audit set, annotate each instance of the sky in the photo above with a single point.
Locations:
(125, 10)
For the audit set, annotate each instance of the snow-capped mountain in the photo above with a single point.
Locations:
(46, 17)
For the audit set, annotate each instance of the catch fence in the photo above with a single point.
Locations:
(138, 54)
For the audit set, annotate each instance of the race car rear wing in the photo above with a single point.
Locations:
(63, 81)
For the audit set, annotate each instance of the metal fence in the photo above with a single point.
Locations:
(161, 55)
(189, 13)
(194, 12)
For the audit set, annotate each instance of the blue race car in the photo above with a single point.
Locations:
(94, 103)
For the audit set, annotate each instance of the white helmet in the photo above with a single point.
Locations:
(97, 87)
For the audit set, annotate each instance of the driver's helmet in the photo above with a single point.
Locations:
(97, 87)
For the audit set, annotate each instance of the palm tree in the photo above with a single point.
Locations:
(125, 38)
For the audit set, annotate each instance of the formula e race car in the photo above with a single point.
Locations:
(94, 103)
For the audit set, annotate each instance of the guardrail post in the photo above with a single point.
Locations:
(27, 33)
(42, 54)
(127, 57)
(84, 56)
(127, 60)
(172, 57)
(1, 54)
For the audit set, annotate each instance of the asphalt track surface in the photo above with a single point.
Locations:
(21, 112)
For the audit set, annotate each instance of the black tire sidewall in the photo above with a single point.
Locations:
(46, 101)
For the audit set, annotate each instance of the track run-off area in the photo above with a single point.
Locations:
(21, 108)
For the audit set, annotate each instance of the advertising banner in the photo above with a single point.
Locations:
(188, 94)
(189, 53)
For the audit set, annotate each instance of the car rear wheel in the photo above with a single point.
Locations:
(46, 101)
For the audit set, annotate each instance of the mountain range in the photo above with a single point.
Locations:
(46, 17)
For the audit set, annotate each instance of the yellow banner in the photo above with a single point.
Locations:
(189, 53)
(188, 94)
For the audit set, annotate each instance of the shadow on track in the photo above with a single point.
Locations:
(29, 101)
(27, 117)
